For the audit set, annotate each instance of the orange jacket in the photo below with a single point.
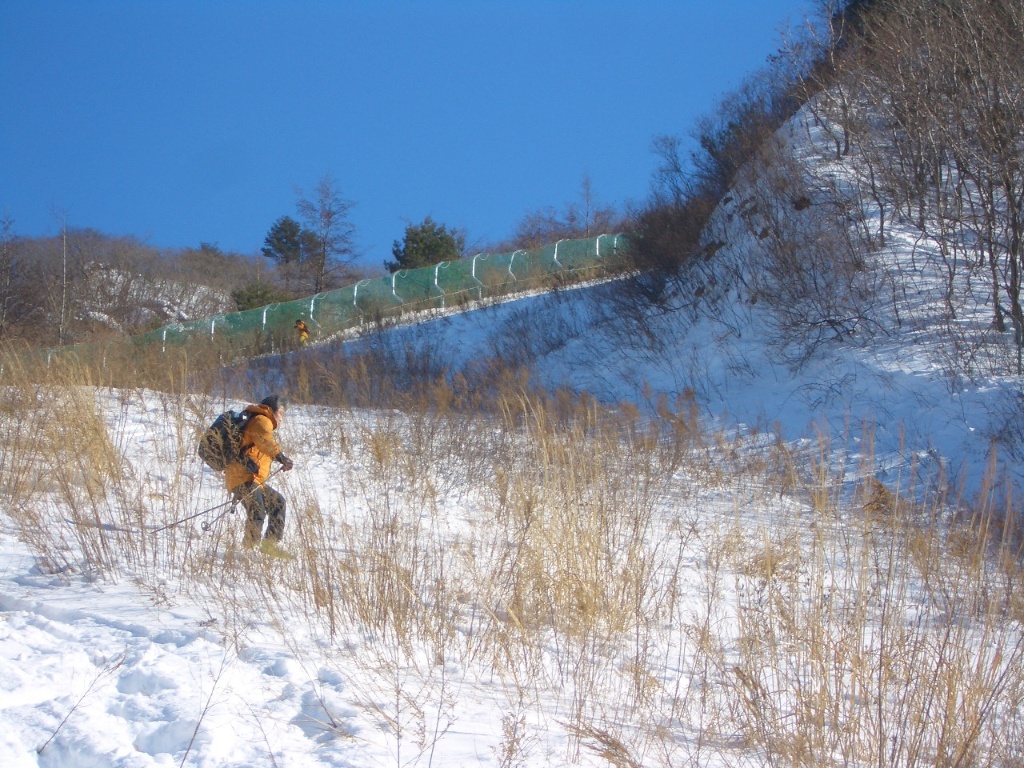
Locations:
(258, 444)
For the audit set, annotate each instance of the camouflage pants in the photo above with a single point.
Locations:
(261, 502)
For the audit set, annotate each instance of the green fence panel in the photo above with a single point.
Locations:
(375, 297)
(447, 284)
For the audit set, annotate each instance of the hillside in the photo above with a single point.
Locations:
(887, 395)
(757, 511)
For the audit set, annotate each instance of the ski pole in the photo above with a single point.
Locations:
(207, 524)
(192, 517)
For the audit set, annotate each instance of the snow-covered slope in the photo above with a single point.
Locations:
(146, 667)
(887, 391)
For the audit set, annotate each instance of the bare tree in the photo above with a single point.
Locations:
(940, 142)
(820, 54)
(821, 280)
(326, 217)
(47, 286)
(63, 304)
(8, 267)
(578, 219)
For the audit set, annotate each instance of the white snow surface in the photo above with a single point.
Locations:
(142, 669)
(102, 672)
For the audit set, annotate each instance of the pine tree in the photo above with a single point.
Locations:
(425, 244)
(284, 241)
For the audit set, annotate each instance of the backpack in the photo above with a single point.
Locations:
(221, 443)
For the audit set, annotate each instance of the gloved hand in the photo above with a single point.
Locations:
(286, 463)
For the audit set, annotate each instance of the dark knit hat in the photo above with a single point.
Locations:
(273, 402)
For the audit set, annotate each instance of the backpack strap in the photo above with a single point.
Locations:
(242, 446)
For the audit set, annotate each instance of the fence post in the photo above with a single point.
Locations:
(395, 276)
(560, 264)
(480, 290)
(511, 262)
(263, 326)
(355, 296)
(312, 302)
(440, 265)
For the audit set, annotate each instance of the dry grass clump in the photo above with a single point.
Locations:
(628, 586)
(59, 460)
(876, 644)
(78, 492)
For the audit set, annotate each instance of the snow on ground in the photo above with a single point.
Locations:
(128, 679)
(94, 672)
(100, 672)
(144, 670)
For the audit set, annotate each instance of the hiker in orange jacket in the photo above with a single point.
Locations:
(246, 478)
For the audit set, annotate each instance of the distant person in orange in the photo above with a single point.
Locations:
(303, 330)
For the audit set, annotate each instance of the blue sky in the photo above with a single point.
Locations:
(199, 120)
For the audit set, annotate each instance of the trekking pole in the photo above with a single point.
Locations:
(230, 501)
(207, 524)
